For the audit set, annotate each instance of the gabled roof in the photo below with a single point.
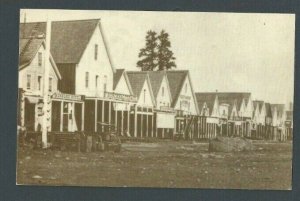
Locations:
(206, 98)
(176, 81)
(28, 48)
(268, 110)
(136, 80)
(259, 104)
(237, 96)
(280, 109)
(156, 78)
(117, 76)
(69, 39)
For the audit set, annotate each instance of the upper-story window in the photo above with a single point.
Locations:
(105, 83)
(163, 91)
(40, 59)
(185, 88)
(28, 82)
(96, 81)
(50, 84)
(39, 83)
(96, 52)
(87, 79)
(144, 95)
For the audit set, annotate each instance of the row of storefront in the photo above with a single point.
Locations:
(87, 92)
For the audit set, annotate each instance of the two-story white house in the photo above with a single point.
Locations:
(31, 78)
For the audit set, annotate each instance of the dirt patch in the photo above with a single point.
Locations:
(163, 164)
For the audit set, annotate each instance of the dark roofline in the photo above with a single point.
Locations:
(61, 21)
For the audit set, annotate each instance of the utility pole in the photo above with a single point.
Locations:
(46, 84)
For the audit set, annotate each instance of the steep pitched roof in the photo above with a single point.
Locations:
(268, 110)
(259, 104)
(176, 81)
(68, 38)
(237, 96)
(156, 78)
(136, 79)
(117, 76)
(280, 109)
(28, 49)
(206, 98)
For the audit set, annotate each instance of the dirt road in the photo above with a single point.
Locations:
(163, 164)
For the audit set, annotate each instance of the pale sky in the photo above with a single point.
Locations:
(229, 52)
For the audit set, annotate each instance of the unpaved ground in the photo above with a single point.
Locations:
(163, 164)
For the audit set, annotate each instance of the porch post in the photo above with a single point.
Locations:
(61, 115)
(135, 121)
(96, 111)
(142, 119)
(82, 116)
(147, 125)
(102, 118)
(122, 119)
(109, 112)
(152, 119)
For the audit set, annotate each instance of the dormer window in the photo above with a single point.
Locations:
(163, 91)
(40, 59)
(185, 88)
(144, 95)
(96, 52)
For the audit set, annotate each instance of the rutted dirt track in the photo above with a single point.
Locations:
(163, 164)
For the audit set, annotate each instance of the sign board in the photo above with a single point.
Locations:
(165, 120)
(212, 120)
(67, 97)
(167, 109)
(121, 97)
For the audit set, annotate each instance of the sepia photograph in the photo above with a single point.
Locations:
(155, 99)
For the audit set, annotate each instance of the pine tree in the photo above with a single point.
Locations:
(165, 57)
(148, 54)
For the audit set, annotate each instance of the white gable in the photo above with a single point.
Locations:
(164, 96)
(100, 67)
(122, 86)
(186, 100)
(36, 73)
(145, 98)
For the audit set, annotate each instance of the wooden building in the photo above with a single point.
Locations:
(164, 114)
(144, 120)
(183, 101)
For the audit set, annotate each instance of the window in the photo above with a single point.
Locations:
(185, 88)
(162, 91)
(96, 81)
(96, 52)
(144, 95)
(40, 59)
(50, 84)
(87, 79)
(39, 83)
(105, 83)
(28, 83)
